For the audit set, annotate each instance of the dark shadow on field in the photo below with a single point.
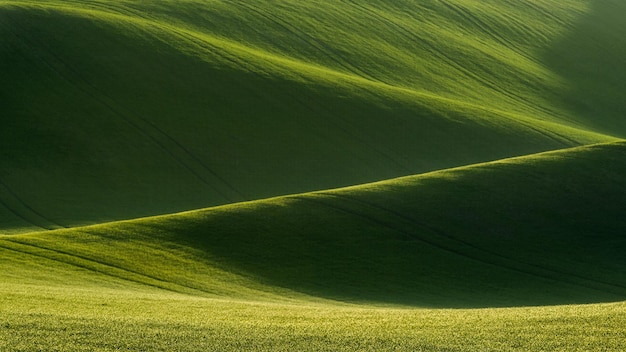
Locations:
(547, 232)
(592, 60)
(543, 235)
(133, 143)
(100, 124)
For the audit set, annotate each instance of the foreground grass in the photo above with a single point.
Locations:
(70, 319)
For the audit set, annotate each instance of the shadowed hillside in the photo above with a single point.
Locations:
(591, 58)
(116, 110)
(537, 230)
(379, 175)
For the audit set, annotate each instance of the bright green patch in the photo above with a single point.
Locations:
(113, 320)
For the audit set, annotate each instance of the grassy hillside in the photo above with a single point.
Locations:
(120, 109)
(113, 320)
(589, 58)
(338, 269)
(275, 118)
(535, 230)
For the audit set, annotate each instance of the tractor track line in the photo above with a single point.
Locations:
(454, 251)
(332, 54)
(37, 218)
(175, 149)
(92, 264)
(469, 244)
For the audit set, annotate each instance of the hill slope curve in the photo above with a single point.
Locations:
(536, 230)
(114, 110)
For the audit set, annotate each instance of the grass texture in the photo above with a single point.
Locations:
(120, 109)
(113, 320)
(371, 267)
(370, 176)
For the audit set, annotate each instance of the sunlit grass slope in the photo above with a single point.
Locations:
(295, 272)
(35, 319)
(543, 229)
(120, 109)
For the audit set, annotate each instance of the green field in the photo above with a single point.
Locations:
(312, 175)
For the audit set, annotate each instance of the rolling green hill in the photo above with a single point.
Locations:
(279, 175)
(269, 275)
(536, 230)
(120, 109)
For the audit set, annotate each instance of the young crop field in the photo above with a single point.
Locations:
(281, 175)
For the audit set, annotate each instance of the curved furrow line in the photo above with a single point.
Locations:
(330, 53)
(182, 155)
(406, 234)
(484, 27)
(556, 137)
(124, 10)
(445, 57)
(609, 288)
(96, 266)
(188, 35)
(16, 205)
(524, 29)
(172, 147)
(20, 216)
(559, 139)
(86, 266)
(305, 38)
(571, 141)
(371, 219)
(206, 46)
(481, 250)
(132, 16)
(322, 112)
(412, 37)
(109, 7)
(547, 14)
(12, 202)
